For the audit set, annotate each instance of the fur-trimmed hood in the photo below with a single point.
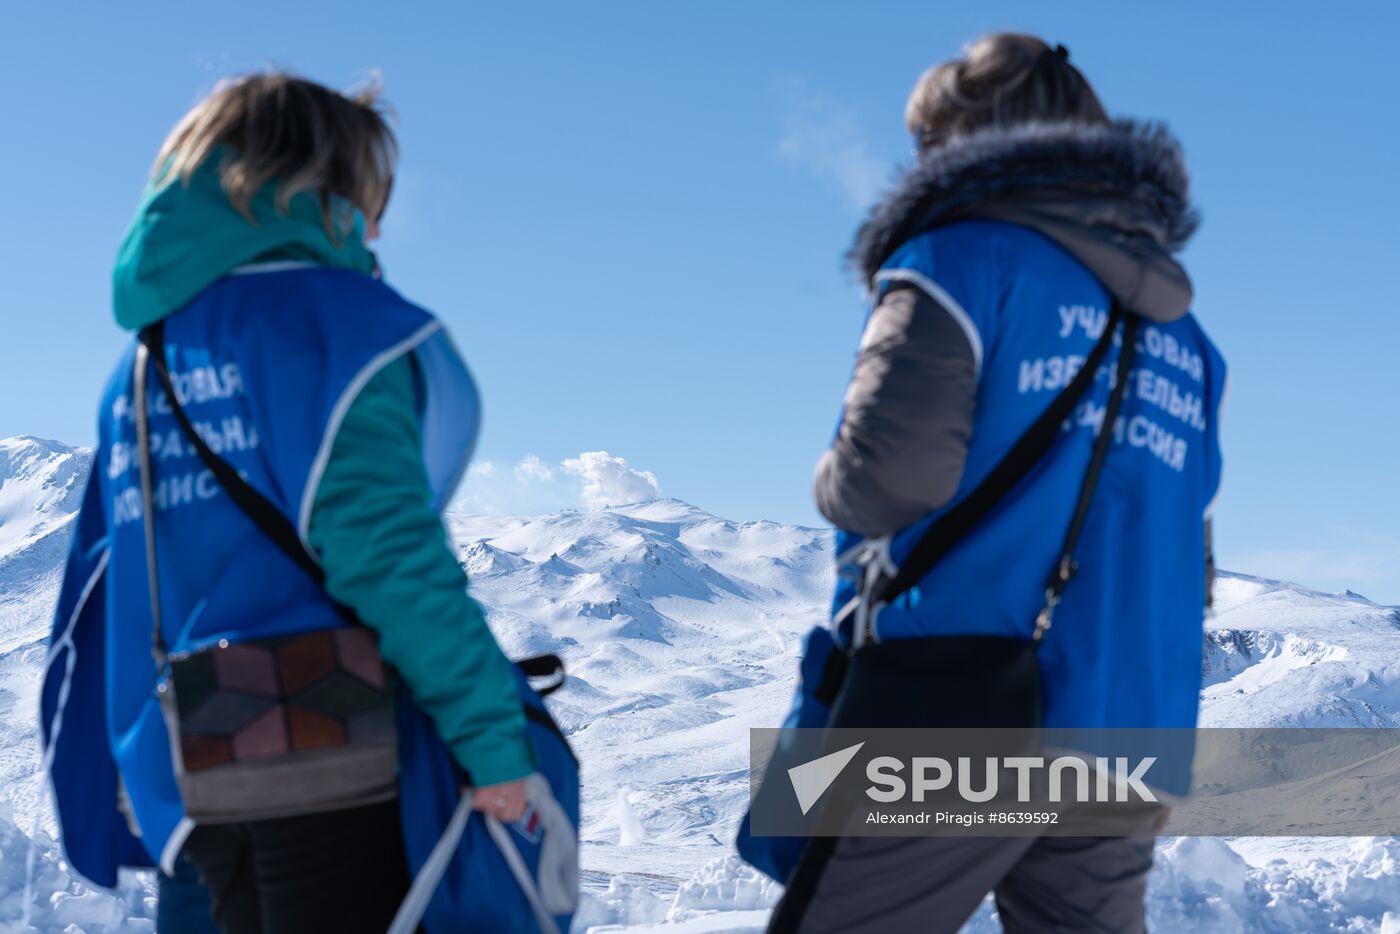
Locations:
(1116, 196)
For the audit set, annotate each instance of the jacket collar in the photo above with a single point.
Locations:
(1115, 196)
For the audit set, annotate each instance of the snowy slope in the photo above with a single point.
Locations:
(681, 632)
(1280, 655)
(41, 485)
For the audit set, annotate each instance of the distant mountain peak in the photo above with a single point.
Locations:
(41, 488)
(33, 442)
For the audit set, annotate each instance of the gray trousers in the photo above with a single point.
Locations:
(934, 884)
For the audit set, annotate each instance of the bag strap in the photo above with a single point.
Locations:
(1028, 450)
(1067, 567)
(538, 667)
(257, 507)
(148, 514)
(425, 884)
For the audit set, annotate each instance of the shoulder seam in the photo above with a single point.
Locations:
(945, 301)
(1219, 418)
(342, 406)
(271, 266)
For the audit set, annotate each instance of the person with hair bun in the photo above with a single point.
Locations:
(1032, 230)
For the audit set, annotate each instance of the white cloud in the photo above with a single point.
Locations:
(532, 468)
(533, 486)
(610, 480)
(825, 139)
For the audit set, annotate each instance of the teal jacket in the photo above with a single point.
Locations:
(383, 547)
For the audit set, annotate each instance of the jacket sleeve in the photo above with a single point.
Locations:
(902, 442)
(386, 555)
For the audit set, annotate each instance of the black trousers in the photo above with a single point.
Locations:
(342, 871)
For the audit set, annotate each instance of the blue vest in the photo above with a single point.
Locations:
(266, 362)
(1125, 648)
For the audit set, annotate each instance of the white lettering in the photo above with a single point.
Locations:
(922, 783)
(205, 486)
(1050, 373)
(1032, 376)
(1081, 777)
(1165, 446)
(120, 459)
(880, 771)
(1088, 318)
(1023, 766)
(1067, 318)
(988, 791)
(126, 506)
(1134, 780)
(1168, 349)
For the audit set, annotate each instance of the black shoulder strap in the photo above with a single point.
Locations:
(261, 510)
(549, 666)
(1066, 566)
(1028, 451)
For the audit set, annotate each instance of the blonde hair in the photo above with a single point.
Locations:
(274, 127)
(1002, 80)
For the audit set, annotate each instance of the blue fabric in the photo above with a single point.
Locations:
(777, 856)
(182, 902)
(72, 709)
(265, 364)
(1125, 649)
(478, 892)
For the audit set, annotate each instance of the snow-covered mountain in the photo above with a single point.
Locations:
(1280, 655)
(41, 486)
(680, 630)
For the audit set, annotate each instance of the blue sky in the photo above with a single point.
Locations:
(632, 216)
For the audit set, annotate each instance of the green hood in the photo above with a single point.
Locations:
(186, 237)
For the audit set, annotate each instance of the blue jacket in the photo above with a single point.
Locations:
(268, 350)
(1125, 648)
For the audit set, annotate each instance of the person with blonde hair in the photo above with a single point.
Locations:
(1021, 479)
(260, 570)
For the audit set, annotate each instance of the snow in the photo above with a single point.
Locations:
(680, 630)
(59, 900)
